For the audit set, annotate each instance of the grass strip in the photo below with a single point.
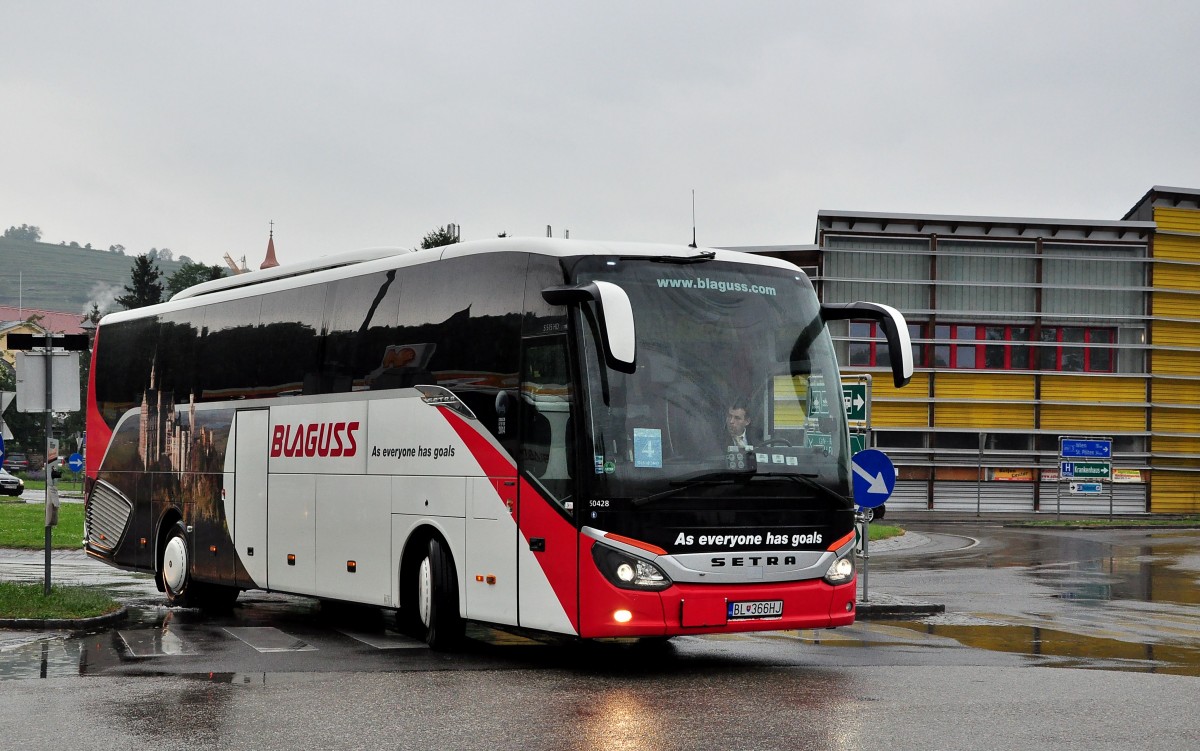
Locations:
(1191, 521)
(21, 600)
(23, 525)
(883, 531)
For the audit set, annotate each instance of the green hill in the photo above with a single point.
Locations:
(63, 278)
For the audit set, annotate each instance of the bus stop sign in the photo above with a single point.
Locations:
(874, 478)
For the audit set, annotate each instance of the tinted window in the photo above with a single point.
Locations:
(229, 350)
(361, 348)
(289, 341)
(462, 320)
(178, 344)
(126, 353)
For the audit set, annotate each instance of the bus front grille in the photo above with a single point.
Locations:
(107, 516)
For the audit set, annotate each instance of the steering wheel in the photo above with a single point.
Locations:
(777, 442)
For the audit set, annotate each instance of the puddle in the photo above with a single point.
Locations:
(1054, 648)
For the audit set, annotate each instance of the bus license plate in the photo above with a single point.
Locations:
(756, 609)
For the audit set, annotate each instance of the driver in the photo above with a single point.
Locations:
(737, 423)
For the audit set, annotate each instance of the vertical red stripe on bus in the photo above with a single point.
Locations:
(98, 432)
(558, 560)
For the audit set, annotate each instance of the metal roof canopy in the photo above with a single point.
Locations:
(995, 227)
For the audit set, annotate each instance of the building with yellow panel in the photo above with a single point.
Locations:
(1025, 331)
(1174, 338)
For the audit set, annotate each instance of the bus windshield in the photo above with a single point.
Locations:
(736, 391)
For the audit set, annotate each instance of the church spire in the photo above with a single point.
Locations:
(270, 262)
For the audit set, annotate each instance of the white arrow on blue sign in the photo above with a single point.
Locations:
(874, 478)
(75, 462)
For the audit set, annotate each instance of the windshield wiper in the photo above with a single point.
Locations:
(729, 478)
(709, 478)
(808, 481)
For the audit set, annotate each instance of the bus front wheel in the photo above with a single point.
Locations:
(437, 598)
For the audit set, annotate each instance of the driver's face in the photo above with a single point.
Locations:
(736, 422)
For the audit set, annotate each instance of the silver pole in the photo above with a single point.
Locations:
(979, 477)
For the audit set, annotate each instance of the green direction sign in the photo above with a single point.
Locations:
(858, 442)
(855, 397)
(1087, 470)
(1092, 469)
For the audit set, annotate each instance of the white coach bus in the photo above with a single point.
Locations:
(525, 433)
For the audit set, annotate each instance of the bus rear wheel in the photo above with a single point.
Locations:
(182, 591)
(437, 598)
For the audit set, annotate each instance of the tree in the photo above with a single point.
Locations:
(94, 315)
(118, 249)
(447, 235)
(192, 273)
(24, 232)
(145, 287)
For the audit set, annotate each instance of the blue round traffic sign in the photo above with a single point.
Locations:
(75, 462)
(874, 478)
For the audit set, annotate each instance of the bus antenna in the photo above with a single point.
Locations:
(693, 245)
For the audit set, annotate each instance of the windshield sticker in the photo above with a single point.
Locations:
(647, 447)
(716, 286)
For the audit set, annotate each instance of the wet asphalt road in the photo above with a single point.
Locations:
(1076, 639)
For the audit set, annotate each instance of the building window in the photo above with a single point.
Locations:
(1077, 349)
(1068, 348)
(869, 347)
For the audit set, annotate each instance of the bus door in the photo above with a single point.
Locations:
(247, 510)
(547, 547)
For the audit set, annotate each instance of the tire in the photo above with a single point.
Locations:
(436, 601)
(175, 567)
(879, 512)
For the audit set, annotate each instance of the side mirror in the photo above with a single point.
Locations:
(895, 329)
(615, 322)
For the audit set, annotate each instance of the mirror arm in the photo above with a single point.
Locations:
(895, 329)
(615, 318)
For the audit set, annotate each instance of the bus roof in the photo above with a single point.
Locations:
(374, 259)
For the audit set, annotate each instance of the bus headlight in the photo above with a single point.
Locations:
(841, 570)
(626, 571)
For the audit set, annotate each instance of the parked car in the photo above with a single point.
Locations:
(11, 484)
(16, 462)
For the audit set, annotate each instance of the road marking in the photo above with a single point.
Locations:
(269, 639)
(154, 643)
(385, 640)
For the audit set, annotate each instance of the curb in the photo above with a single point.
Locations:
(882, 611)
(72, 623)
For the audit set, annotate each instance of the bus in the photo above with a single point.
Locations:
(524, 433)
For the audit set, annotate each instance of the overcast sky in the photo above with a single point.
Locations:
(360, 124)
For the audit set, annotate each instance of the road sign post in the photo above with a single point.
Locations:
(1087, 459)
(35, 381)
(874, 478)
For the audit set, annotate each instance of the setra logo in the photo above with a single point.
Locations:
(320, 439)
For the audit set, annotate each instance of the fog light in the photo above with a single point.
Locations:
(622, 616)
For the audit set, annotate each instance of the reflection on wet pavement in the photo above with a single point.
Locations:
(1116, 599)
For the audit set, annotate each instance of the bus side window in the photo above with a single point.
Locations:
(548, 405)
